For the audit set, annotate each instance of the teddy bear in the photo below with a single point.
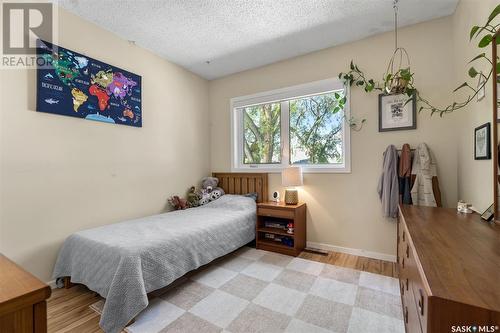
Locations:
(209, 190)
(178, 203)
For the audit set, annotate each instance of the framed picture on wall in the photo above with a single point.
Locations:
(482, 142)
(396, 112)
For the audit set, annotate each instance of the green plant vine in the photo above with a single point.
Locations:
(402, 81)
(351, 121)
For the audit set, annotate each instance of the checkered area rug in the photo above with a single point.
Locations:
(258, 291)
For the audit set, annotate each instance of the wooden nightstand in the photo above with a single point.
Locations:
(275, 238)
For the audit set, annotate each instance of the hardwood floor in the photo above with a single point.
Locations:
(68, 309)
(351, 261)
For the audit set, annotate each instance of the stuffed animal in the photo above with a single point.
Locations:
(178, 203)
(209, 190)
(193, 197)
(205, 198)
(209, 183)
(216, 194)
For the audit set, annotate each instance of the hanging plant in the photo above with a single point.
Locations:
(399, 79)
(351, 121)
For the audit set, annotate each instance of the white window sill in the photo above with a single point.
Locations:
(304, 170)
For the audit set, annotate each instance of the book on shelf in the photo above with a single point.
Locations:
(279, 239)
(276, 225)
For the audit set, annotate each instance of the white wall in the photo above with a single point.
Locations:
(344, 209)
(475, 178)
(62, 174)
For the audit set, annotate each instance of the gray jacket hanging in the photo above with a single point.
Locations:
(388, 186)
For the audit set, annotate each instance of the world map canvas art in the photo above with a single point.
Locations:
(71, 84)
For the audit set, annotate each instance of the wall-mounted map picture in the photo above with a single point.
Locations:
(71, 84)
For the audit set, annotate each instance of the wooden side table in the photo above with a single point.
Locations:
(23, 306)
(271, 232)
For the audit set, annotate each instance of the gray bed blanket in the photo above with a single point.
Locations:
(125, 261)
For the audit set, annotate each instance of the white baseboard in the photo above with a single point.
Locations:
(52, 284)
(357, 252)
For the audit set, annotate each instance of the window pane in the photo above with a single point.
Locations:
(316, 126)
(262, 134)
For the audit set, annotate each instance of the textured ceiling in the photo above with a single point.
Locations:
(235, 35)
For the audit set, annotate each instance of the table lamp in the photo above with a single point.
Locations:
(291, 176)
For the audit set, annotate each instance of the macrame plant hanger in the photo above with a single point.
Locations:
(399, 63)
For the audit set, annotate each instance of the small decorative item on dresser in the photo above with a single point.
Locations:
(276, 196)
(464, 207)
(291, 176)
(281, 228)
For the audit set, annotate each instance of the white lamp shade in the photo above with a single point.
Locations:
(292, 176)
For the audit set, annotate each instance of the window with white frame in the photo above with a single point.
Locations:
(300, 125)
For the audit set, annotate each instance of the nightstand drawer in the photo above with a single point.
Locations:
(287, 214)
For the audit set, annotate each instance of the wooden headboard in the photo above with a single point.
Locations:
(243, 183)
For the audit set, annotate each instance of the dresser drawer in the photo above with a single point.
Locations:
(421, 299)
(410, 315)
(403, 248)
(400, 242)
(403, 254)
(408, 274)
(401, 230)
(287, 214)
(407, 278)
(417, 290)
(404, 285)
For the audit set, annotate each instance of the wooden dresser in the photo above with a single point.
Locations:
(449, 271)
(23, 306)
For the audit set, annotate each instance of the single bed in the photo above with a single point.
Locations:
(123, 262)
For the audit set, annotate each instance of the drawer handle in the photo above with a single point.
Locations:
(407, 251)
(403, 262)
(421, 302)
(406, 314)
(402, 289)
(403, 235)
(407, 283)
